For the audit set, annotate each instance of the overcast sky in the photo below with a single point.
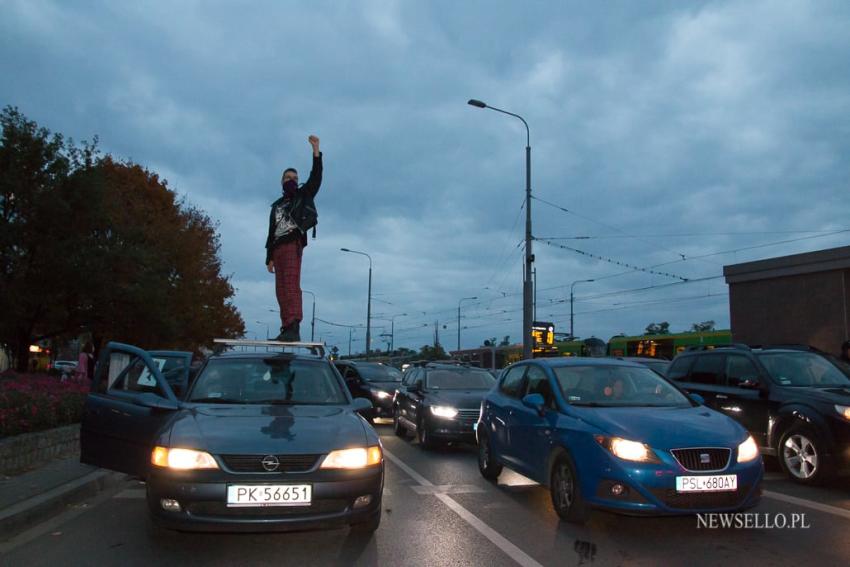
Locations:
(706, 130)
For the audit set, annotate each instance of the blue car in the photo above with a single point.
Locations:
(260, 441)
(614, 435)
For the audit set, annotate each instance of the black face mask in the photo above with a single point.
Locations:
(289, 188)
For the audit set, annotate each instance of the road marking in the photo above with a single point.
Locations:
(834, 510)
(447, 489)
(512, 551)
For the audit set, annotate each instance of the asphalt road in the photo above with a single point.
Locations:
(439, 511)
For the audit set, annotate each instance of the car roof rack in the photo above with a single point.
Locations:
(316, 349)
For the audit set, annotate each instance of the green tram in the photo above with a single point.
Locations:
(666, 346)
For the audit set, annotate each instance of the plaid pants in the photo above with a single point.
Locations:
(287, 280)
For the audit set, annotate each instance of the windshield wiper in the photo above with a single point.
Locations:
(276, 402)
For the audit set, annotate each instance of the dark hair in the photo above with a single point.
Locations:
(285, 171)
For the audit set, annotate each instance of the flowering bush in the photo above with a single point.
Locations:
(33, 402)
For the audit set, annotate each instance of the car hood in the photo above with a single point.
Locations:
(260, 429)
(385, 386)
(667, 428)
(460, 399)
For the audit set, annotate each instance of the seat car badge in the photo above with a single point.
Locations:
(704, 458)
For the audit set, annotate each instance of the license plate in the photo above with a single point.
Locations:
(269, 495)
(712, 483)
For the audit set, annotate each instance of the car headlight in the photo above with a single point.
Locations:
(444, 411)
(381, 395)
(628, 450)
(182, 459)
(353, 458)
(844, 411)
(748, 450)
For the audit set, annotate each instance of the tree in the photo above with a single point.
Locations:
(662, 328)
(506, 341)
(430, 352)
(490, 342)
(703, 327)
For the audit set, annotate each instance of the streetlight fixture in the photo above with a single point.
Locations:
(368, 300)
(529, 257)
(572, 287)
(267, 328)
(313, 320)
(458, 317)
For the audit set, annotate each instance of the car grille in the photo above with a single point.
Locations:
(694, 460)
(470, 415)
(254, 463)
(698, 500)
(220, 509)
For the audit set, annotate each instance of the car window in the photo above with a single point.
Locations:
(267, 381)
(802, 369)
(538, 383)
(410, 376)
(740, 369)
(512, 382)
(598, 385)
(707, 370)
(460, 379)
(679, 368)
(136, 377)
(379, 373)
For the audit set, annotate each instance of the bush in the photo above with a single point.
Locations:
(34, 402)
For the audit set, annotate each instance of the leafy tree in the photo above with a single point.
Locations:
(490, 342)
(703, 327)
(430, 352)
(662, 328)
(506, 341)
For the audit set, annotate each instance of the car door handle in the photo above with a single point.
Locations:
(722, 397)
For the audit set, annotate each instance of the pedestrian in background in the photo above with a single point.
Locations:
(292, 215)
(85, 363)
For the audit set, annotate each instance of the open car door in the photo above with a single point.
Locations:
(174, 365)
(129, 404)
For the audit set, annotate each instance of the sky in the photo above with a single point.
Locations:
(674, 137)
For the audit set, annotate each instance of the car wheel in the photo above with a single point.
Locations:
(487, 464)
(398, 428)
(426, 441)
(801, 456)
(565, 492)
(369, 526)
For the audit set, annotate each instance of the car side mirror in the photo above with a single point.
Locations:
(153, 401)
(535, 402)
(697, 398)
(361, 404)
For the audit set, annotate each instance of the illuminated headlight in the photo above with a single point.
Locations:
(182, 459)
(381, 395)
(353, 458)
(628, 450)
(844, 411)
(748, 450)
(444, 411)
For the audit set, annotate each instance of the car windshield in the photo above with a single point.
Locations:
(267, 381)
(617, 386)
(460, 379)
(379, 373)
(659, 366)
(802, 369)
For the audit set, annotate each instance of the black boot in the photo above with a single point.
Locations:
(290, 333)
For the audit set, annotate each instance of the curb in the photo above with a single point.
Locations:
(23, 515)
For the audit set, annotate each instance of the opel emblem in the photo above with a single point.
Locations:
(270, 463)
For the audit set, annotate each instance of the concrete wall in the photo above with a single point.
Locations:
(31, 450)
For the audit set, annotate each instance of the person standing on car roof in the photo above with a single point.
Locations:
(292, 215)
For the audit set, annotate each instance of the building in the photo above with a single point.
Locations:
(803, 298)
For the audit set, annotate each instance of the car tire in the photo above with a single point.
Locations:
(489, 467)
(565, 491)
(426, 440)
(369, 526)
(399, 429)
(802, 456)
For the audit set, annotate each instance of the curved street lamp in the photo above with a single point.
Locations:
(368, 300)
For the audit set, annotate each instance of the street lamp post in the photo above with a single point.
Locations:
(529, 257)
(572, 287)
(368, 300)
(313, 320)
(458, 317)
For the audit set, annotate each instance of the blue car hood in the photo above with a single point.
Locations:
(258, 429)
(667, 428)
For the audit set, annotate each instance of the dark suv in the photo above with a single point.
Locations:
(795, 401)
(373, 381)
(440, 402)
